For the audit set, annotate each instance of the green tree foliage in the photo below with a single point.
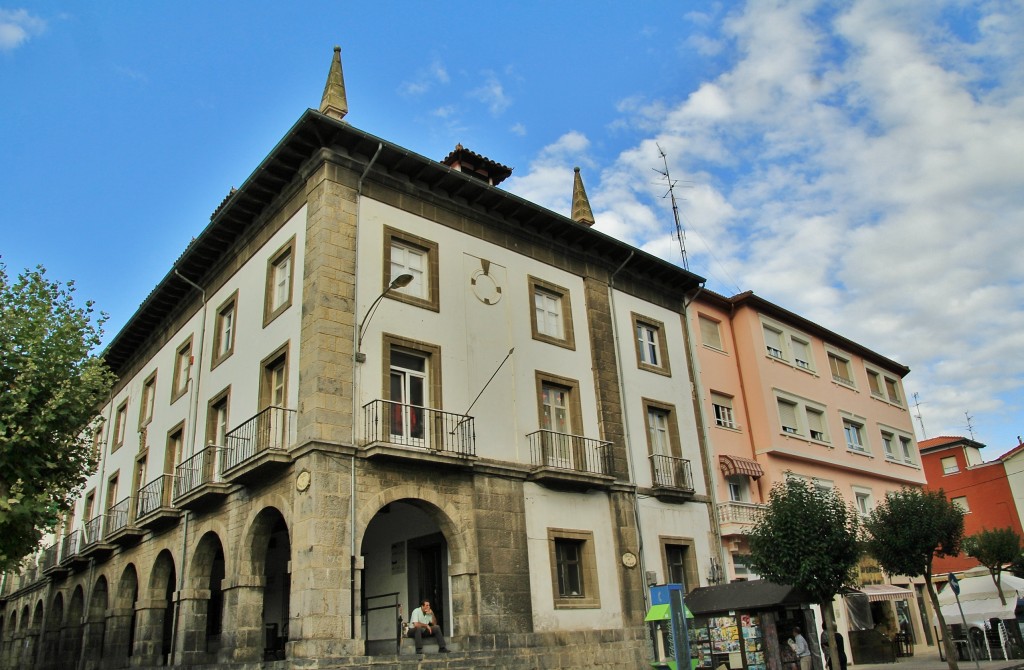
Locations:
(50, 388)
(807, 537)
(908, 531)
(994, 549)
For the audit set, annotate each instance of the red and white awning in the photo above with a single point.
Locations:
(735, 465)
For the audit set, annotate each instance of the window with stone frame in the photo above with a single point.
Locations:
(405, 253)
(651, 344)
(148, 403)
(120, 426)
(224, 330)
(680, 562)
(573, 560)
(551, 313)
(182, 369)
(280, 282)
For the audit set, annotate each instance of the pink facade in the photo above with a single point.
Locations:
(783, 396)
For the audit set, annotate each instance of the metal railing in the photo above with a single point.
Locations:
(740, 512)
(198, 470)
(273, 429)
(71, 545)
(154, 495)
(118, 516)
(390, 604)
(419, 427)
(671, 472)
(49, 557)
(570, 452)
(94, 529)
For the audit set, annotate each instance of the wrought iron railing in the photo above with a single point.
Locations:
(154, 495)
(198, 470)
(671, 472)
(419, 427)
(118, 516)
(740, 512)
(94, 529)
(570, 452)
(70, 545)
(273, 429)
(49, 556)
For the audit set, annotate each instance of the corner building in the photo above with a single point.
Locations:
(376, 378)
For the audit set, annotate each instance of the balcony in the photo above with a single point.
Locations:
(259, 447)
(565, 461)
(672, 478)
(71, 550)
(94, 544)
(50, 562)
(409, 432)
(120, 528)
(737, 518)
(154, 510)
(197, 481)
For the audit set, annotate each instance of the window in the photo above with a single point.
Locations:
(854, 433)
(710, 332)
(112, 490)
(560, 417)
(148, 401)
(961, 502)
(907, 447)
(280, 274)
(174, 450)
(801, 353)
(217, 419)
(274, 380)
(97, 440)
(737, 488)
(120, 421)
(875, 384)
(182, 370)
(651, 346)
(722, 406)
(551, 317)
(573, 569)
(408, 389)
(892, 391)
(663, 445)
(657, 431)
(224, 331)
(950, 466)
(405, 253)
(862, 499)
(787, 417)
(884, 387)
(816, 425)
(889, 444)
(773, 342)
(680, 562)
(90, 503)
(840, 368)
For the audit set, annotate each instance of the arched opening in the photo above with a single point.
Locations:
(54, 621)
(36, 651)
(162, 585)
(276, 589)
(96, 622)
(405, 554)
(206, 616)
(72, 634)
(127, 596)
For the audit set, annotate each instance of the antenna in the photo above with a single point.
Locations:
(675, 208)
(970, 427)
(917, 408)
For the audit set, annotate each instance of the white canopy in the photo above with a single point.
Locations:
(979, 598)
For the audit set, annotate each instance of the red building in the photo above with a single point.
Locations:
(955, 466)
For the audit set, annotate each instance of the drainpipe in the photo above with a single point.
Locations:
(355, 403)
(704, 438)
(625, 427)
(194, 412)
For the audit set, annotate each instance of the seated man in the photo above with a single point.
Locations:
(423, 622)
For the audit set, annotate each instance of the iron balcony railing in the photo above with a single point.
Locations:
(419, 427)
(570, 452)
(198, 470)
(154, 495)
(743, 513)
(273, 429)
(671, 472)
(118, 516)
(49, 557)
(70, 545)
(94, 529)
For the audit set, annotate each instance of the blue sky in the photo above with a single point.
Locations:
(860, 163)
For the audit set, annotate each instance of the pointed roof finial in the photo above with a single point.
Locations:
(334, 103)
(581, 212)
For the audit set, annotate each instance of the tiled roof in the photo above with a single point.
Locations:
(936, 441)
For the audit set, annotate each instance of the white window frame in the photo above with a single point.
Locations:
(846, 361)
(961, 502)
(801, 408)
(855, 428)
(722, 407)
(950, 466)
(863, 500)
(790, 343)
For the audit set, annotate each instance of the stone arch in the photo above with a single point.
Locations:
(203, 600)
(119, 633)
(37, 616)
(157, 612)
(94, 630)
(261, 597)
(99, 601)
(25, 612)
(71, 631)
(51, 635)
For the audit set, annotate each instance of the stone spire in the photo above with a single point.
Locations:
(581, 212)
(334, 102)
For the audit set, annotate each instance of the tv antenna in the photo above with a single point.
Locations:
(917, 408)
(970, 426)
(680, 235)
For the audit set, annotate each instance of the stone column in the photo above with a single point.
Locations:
(149, 633)
(505, 604)
(92, 637)
(242, 639)
(193, 649)
(117, 637)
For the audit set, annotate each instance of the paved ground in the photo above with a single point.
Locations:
(929, 660)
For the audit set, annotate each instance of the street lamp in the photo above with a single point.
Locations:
(401, 281)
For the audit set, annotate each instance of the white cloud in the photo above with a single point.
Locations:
(492, 94)
(17, 27)
(425, 79)
(518, 129)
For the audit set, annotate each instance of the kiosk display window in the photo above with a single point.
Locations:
(734, 641)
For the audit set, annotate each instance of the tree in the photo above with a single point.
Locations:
(994, 549)
(50, 388)
(807, 537)
(908, 531)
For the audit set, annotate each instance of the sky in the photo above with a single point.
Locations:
(860, 163)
